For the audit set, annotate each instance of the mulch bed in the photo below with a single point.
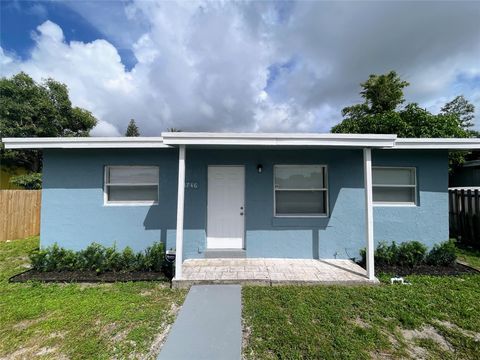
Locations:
(88, 276)
(457, 269)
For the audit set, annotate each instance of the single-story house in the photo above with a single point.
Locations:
(256, 195)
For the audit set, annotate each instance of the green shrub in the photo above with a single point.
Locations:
(92, 258)
(98, 258)
(31, 181)
(411, 253)
(386, 254)
(129, 260)
(113, 259)
(38, 259)
(53, 258)
(443, 254)
(155, 257)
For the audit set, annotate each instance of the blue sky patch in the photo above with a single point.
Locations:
(19, 19)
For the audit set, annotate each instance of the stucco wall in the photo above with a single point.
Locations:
(73, 213)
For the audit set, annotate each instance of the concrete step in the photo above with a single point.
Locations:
(225, 254)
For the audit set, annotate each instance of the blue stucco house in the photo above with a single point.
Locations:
(255, 195)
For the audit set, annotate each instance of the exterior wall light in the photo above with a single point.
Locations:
(259, 168)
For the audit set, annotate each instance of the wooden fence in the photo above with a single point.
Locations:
(19, 213)
(465, 215)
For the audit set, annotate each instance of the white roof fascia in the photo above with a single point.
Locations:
(84, 143)
(438, 143)
(282, 139)
(244, 139)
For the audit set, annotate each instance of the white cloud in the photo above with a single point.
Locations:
(206, 65)
(104, 128)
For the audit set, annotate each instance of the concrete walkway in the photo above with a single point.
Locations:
(208, 325)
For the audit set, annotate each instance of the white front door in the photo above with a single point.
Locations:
(226, 205)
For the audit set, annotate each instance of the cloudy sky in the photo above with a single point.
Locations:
(240, 66)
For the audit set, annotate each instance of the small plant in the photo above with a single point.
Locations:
(129, 260)
(411, 253)
(386, 254)
(443, 254)
(98, 258)
(54, 258)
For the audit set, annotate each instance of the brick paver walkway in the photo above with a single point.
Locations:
(271, 271)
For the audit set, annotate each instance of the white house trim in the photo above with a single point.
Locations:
(367, 166)
(278, 139)
(180, 213)
(169, 139)
(438, 143)
(83, 142)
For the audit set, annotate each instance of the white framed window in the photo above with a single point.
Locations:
(300, 191)
(394, 186)
(131, 185)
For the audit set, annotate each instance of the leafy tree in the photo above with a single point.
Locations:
(172, 129)
(32, 181)
(463, 109)
(410, 122)
(31, 109)
(132, 129)
(379, 114)
(382, 93)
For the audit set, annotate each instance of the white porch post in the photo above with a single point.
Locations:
(367, 167)
(180, 206)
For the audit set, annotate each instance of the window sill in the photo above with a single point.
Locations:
(394, 205)
(300, 216)
(131, 204)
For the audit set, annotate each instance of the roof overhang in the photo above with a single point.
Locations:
(281, 140)
(438, 143)
(241, 140)
(84, 143)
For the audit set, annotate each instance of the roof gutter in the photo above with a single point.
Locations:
(84, 143)
(282, 139)
(438, 143)
(174, 139)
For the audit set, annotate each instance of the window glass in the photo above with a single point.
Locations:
(395, 194)
(131, 184)
(299, 177)
(133, 175)
(394, 185)
(300, 202)
(132, 193)
(300, 190)
(393, 176)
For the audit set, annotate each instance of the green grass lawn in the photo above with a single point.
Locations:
(434, 318)
(80, 321)
(470, 256)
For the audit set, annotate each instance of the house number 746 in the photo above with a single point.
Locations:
(191, 185)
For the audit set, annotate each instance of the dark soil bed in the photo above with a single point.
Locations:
(88, 276)
(457, 269)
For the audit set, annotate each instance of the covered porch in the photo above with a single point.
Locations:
(274, 270)
(271, 272)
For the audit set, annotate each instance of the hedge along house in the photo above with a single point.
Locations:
(297, 196)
